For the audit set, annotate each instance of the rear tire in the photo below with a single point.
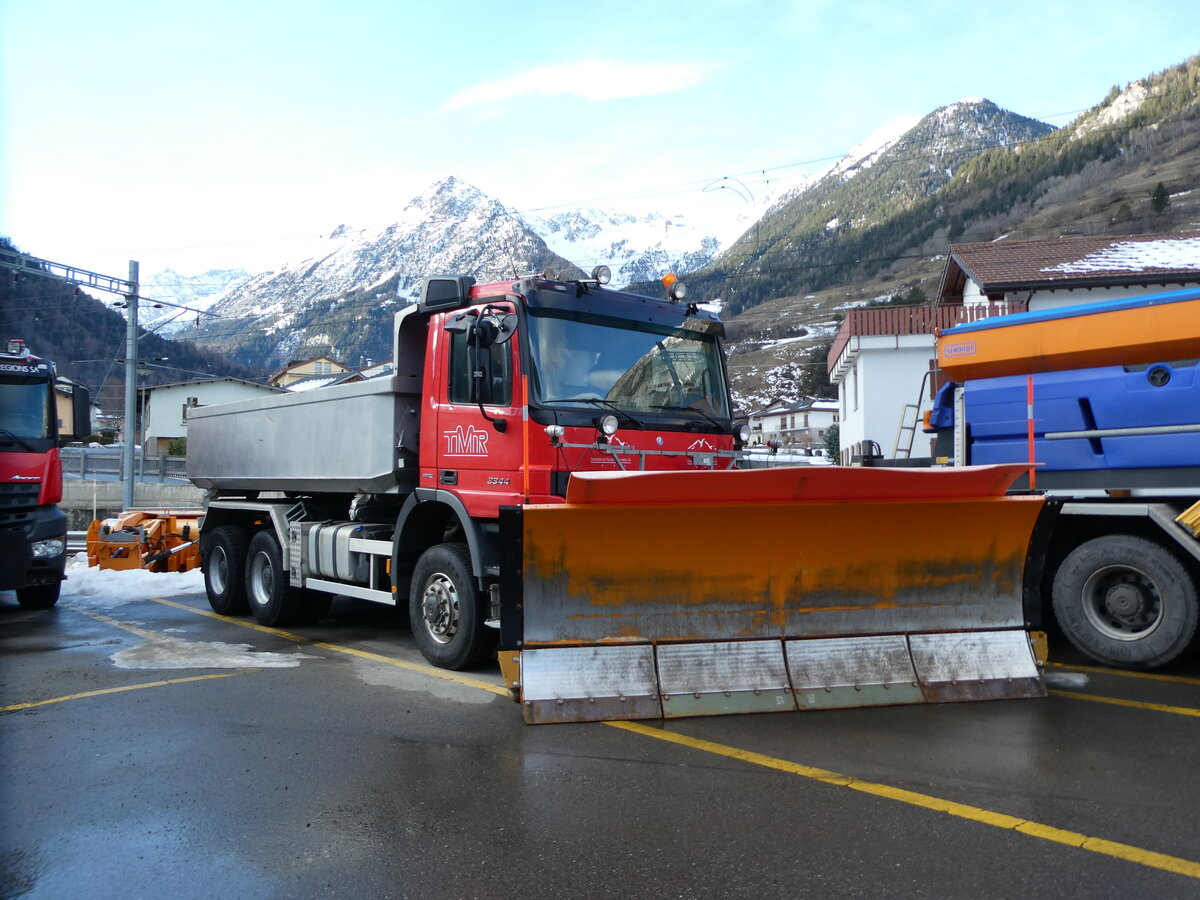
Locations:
(446, 611)
(1125, 601)
(39, 596)
(225, 570)
(272, 600)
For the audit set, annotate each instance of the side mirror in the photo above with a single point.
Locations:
(81, 412)
(496, 329)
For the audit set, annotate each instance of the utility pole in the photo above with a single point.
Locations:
(131, 366)
(24, 264)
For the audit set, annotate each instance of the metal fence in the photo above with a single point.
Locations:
(107, 464)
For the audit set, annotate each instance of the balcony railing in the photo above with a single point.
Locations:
(882, 320)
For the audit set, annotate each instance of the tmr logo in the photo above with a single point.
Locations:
(965, 349)
(469, 441)
(701, 446)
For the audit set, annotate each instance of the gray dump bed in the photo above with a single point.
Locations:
(349, 438)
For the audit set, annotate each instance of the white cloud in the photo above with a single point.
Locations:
(595, 80)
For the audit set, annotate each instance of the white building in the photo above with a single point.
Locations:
(164, 407)
(799, 424)
(881, 355)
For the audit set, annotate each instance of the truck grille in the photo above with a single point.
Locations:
(18, 502)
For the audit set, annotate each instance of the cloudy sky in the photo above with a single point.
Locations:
(215, 133)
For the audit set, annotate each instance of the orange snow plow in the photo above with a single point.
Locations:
(157, 540)
(665, 594)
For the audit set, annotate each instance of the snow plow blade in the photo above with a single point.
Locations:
(673, 594)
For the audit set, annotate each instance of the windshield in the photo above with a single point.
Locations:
(632, 366)
(24, 411)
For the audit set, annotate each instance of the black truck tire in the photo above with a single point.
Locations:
(446, 611)
(225, 570)
(39, 596)
(272, 600)
(1125, 601)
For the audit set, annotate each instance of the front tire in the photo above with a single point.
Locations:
(446, 611)
(272, 600)
(39, 596)
(1125, 601)
(225, 570)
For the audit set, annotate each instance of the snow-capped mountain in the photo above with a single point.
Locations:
(339, 303)
(638, 248)
(196, 292)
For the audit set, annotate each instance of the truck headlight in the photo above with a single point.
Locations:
(48, 549)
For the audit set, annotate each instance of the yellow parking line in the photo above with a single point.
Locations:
(444, 674)
(127, 687)
(961, 810)
(1126, 673)
(1104, 847)
(1135, 704)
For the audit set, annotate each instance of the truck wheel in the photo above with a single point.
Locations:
(225, 570)
(446, 611)
(271, 598)
(39, 596)
(1125, 601)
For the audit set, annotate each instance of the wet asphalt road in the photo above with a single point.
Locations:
(253, 764)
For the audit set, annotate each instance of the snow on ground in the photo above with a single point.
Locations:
(89, 587)
(94, 591)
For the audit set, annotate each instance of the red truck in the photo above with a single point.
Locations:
(33, 530)
(551, 470)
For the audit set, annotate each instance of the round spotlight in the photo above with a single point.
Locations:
(743, 433)
(602, 274)
(554, 432)
(608, 424)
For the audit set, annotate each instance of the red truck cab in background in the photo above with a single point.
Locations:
(33, 530)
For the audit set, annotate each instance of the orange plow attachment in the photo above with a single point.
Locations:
(700, 593)
(157, 540)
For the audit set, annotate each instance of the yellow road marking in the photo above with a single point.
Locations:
(1126, 673)
(1135, 704)
(1104, 847)
(127, 687)
(961, 810)
(443, 674)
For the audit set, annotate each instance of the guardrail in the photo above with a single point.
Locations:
(85, 462)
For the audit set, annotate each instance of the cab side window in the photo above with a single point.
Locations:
(496, 362)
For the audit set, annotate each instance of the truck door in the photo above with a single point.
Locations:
(479, 441)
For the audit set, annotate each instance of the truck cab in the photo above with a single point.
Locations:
(33, 531)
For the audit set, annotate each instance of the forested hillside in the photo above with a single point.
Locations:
(1028, 189)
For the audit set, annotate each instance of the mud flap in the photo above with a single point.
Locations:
(705, 593)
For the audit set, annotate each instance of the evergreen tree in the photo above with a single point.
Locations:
(1160, 199)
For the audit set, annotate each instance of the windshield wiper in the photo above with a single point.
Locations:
(692, 409)
(8, 437)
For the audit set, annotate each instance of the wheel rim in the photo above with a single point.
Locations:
(1122, 602)
(439, 608)
(262, 579)
(218, 570)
